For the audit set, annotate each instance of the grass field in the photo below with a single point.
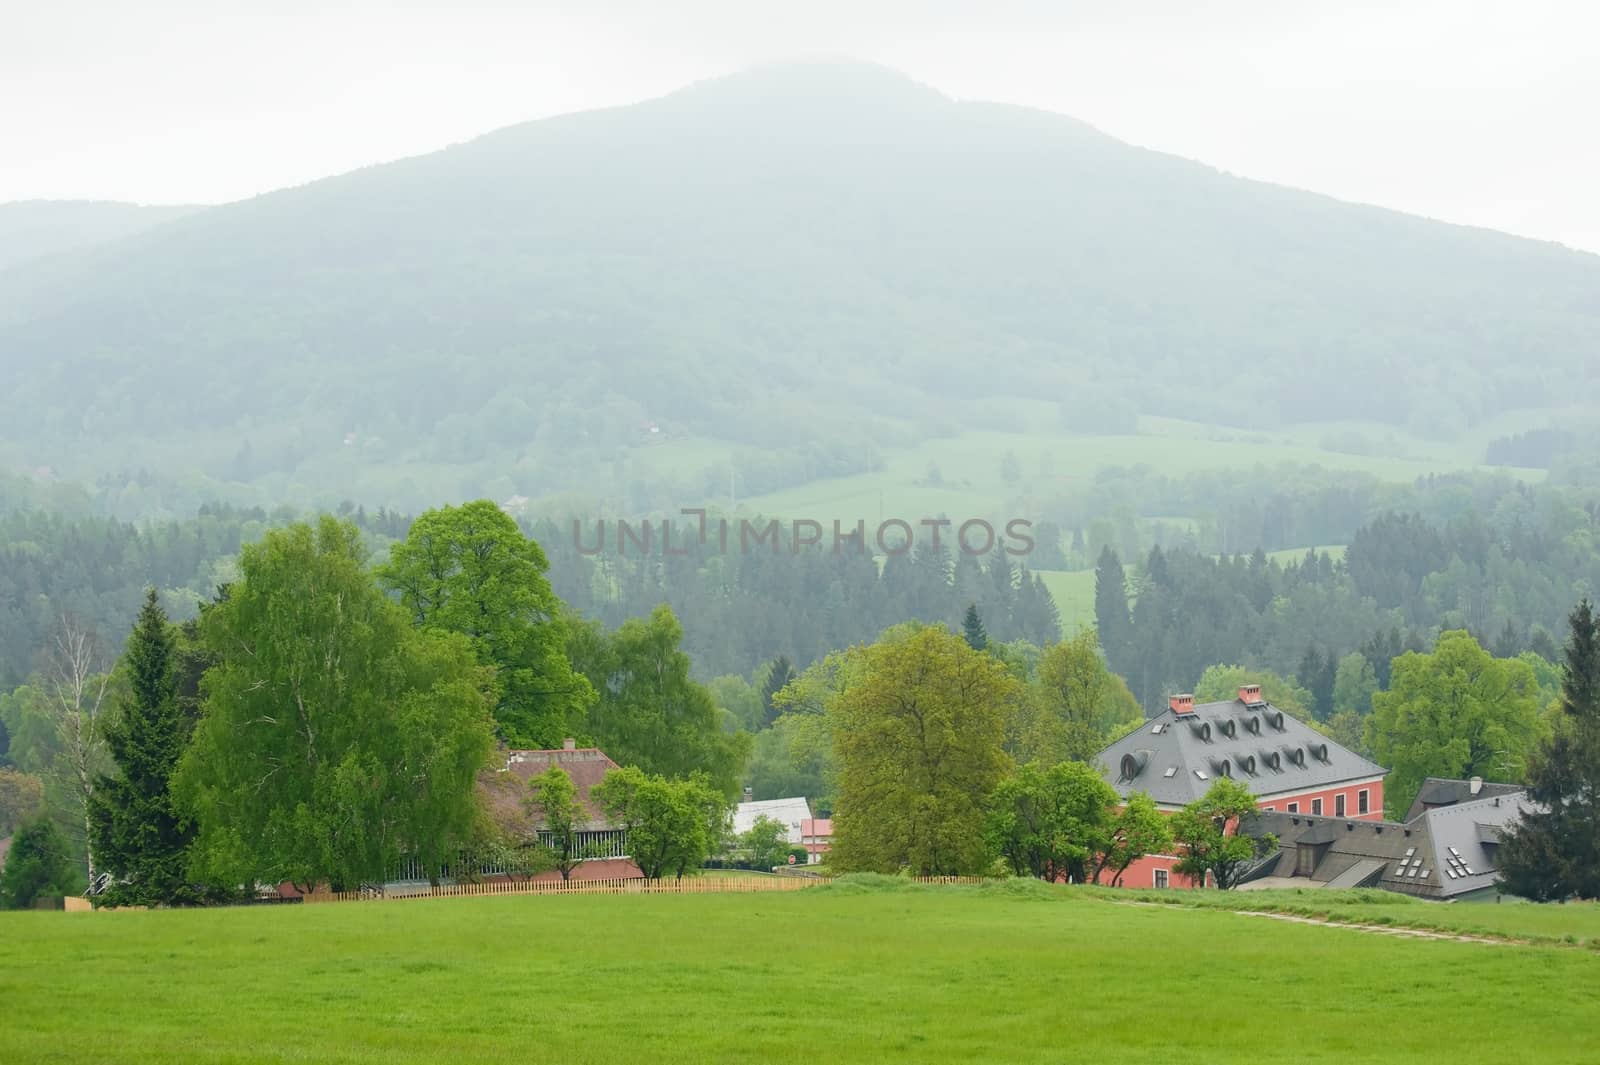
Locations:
(1051, 462)
(1016, 973)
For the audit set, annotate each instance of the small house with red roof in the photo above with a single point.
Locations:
(506, 791)
(816, 836)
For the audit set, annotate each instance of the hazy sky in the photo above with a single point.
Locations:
(1483, 113)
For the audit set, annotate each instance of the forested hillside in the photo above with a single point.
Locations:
(31, 229)
(801, 265)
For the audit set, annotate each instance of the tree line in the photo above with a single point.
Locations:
(324, 719)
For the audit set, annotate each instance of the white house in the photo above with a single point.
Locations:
(792, 813)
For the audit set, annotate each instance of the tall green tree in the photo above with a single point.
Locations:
(972, 629)
(779, 675)
(336, 738)
(1206, 832)
(673, 826)
(918, 737)
(651, 713)
(1455, 712)
(553, 799)
(469, 569)
(1111, 617)
(138, 835)
(1051, 823)
(1075, 705)
(1554, 851)
(38, 864)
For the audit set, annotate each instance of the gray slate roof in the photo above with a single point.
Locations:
(1442, 853)
(1442, 791)
(1169, 753)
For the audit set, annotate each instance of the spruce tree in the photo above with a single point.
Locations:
(1111, 618)
(778, 676)
(138, 836)
(972, 629)
(1554, 852)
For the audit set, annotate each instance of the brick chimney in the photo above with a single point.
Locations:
(1182, 704)
(1250, 694)
(569, 744)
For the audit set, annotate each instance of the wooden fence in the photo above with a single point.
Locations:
(698, 885)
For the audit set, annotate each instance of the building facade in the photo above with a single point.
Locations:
(1288, 766)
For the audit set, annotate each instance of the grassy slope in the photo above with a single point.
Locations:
(1073, 592)
(969, 466)
(944, 975)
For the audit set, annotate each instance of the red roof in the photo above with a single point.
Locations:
(507, 787)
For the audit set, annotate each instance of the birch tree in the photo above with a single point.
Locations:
(77, 681)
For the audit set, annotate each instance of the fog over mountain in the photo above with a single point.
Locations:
(31, 229)
(814, 260)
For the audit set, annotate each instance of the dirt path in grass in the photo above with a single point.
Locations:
(1380, 929)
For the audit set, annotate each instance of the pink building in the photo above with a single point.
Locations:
(816, 836)
(1287, 765)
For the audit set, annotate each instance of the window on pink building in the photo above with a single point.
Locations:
(1161, 878)
(1338, 805)
(1316, 807)
(1363, 801)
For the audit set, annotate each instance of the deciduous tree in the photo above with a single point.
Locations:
(1456, 712)
(1221, 682)
(1075, 705)
(1051, 823)
(336, 738)
(918, 736)
(470, 569)
(78, 680)
(651, 713)
(672, 826)
(553, 799)
(1140, 829)
(1206, 834)
(765, 843)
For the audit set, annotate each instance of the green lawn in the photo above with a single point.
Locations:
(1021, 973)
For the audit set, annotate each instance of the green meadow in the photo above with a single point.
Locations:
(854, 972)
(968, 465)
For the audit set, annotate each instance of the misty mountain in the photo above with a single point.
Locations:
(30, 229)
(808, 262)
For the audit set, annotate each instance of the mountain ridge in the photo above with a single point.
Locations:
(825, 258)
